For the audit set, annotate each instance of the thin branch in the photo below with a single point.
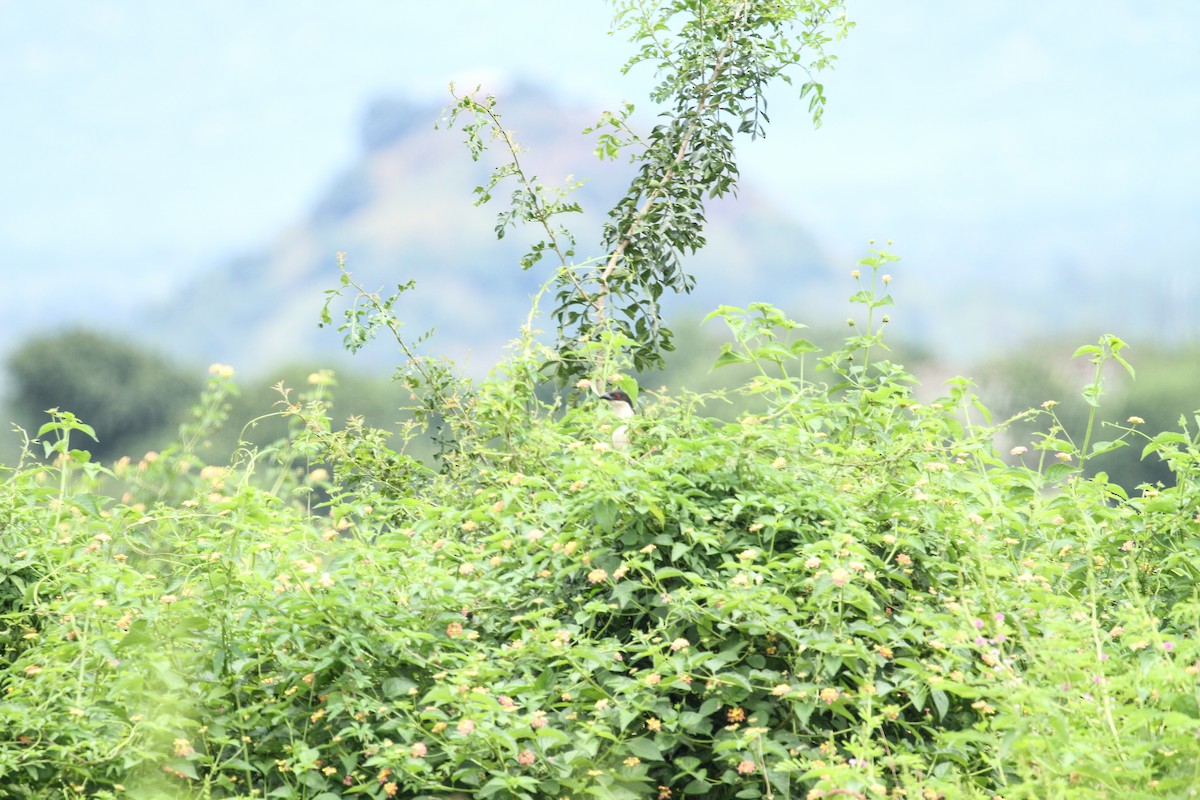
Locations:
(541, 213)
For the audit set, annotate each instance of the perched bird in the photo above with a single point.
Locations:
(622, 406)
(621, 403)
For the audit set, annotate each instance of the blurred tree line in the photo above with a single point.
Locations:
(1165, 396)
(136, 399)
(127, 393)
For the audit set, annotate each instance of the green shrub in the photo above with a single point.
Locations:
(852, 592)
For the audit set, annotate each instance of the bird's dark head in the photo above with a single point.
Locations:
(620, 402)
(617, 396)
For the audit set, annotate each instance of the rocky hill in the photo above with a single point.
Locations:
(404, 211)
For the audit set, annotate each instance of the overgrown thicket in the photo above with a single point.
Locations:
(850, 593)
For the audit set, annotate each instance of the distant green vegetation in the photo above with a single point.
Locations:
(74, 371)
(1165, 395)
(137, 400)
(130, 393)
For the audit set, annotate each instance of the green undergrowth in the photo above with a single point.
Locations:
(852, 594)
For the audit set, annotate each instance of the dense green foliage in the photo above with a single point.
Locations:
(852, 592)
(844, 592)
(1162, 394)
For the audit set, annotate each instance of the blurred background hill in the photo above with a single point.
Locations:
(180, 177)
(404, 210)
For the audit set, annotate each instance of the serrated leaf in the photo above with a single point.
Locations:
(1056, 472)
(940, 701)
(1162, 440)
(1107, 447)
(644, 748)
(729, 358)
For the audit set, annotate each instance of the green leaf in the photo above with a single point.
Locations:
(1162, 441)
(496, 784)
(644, 748)
(709, 706)
(397, 687)
(1100, 448)
(1128, 367)
(605, 513)
(722, 311)
(982, 409)
(1056, 472)
(940, 701)
(728, 357)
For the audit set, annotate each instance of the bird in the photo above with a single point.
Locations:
(622, 406)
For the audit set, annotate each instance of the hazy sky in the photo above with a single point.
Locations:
(151, 138)
(192, 128)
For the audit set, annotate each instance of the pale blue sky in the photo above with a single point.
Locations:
(184, 129)
(143, 140)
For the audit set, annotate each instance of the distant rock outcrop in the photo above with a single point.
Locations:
(404, 211)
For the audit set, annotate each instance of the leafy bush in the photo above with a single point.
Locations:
(851, 593)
